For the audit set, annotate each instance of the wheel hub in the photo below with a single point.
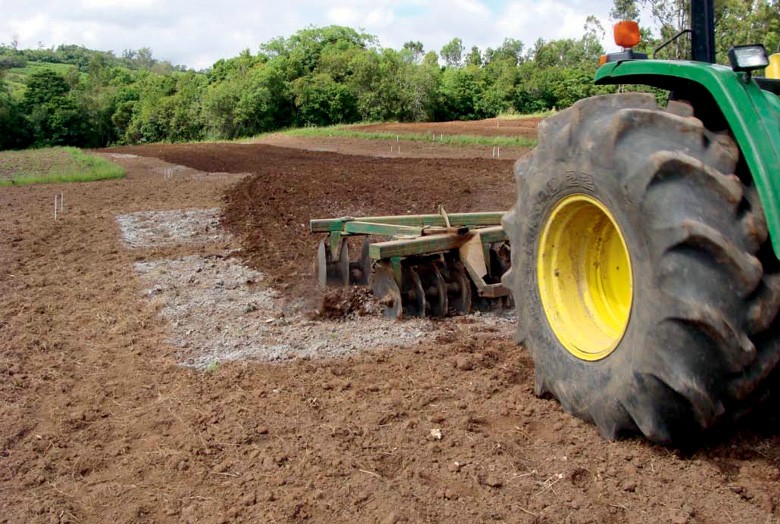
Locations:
(584, 277)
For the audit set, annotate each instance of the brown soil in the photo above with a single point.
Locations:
(338, 303)
(99, 422)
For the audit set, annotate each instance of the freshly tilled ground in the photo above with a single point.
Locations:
(100, 421)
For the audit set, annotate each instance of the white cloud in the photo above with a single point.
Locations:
(468, 8)
(381, 17)
(108, 4)
(343, 15)
(549, 20)
(198, 32)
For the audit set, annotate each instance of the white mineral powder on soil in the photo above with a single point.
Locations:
(220, 310)
(171, 228)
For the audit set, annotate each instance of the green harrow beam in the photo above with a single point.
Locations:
(424, 245)
(328, 225)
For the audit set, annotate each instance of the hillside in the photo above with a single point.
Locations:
(16, 78)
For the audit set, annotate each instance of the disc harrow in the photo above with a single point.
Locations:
(418, 265)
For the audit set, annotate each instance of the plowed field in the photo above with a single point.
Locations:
(161, 361)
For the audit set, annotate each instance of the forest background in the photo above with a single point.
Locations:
(72, 96)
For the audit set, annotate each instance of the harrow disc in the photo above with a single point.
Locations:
(330, 273)
(458, 287)
(414, 302)
(435, 289)
(500, 259)
(385, 289)
(360, 270)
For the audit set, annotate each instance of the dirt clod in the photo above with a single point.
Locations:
(338, 303)
(493, 481)
(464, 363)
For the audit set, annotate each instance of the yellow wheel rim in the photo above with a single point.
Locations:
(584, 277)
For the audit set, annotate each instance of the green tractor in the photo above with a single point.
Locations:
(643, 254)
(645, 244)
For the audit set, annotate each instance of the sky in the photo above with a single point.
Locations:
(196, 33)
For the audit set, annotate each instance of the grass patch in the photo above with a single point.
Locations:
(518, 116)
(54, 165)
(16, 77)
(456, 140)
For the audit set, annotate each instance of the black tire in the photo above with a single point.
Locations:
(700, 339)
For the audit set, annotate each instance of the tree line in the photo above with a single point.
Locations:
(316, 77)
(321, 76)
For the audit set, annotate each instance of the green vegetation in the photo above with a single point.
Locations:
(59, 164)
(510, 115)
(461, 140)
(321, 76)
(16, 78)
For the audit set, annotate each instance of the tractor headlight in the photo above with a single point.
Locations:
(748, 57)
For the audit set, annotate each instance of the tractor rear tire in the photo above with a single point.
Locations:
(635, 271)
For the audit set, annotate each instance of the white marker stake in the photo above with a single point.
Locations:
(498, 152)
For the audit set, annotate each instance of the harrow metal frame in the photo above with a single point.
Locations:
(469, 236)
